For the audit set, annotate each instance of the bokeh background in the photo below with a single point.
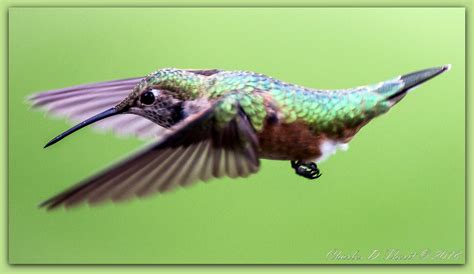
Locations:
(400, 185)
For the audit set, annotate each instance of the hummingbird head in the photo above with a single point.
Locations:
(160, 97)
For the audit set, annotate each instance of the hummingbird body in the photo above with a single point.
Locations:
(214, 123)
(291, 122)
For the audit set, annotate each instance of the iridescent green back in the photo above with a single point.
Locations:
(328, 112)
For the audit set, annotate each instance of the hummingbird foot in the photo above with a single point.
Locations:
(308, 170)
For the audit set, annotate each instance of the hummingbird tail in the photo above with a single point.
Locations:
(412, 80)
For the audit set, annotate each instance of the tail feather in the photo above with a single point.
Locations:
(412, 80)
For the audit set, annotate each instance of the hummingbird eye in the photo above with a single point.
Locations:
(147, 98)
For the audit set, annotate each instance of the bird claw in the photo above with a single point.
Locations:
(308, 170)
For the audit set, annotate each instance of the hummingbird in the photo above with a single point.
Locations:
(212, 123)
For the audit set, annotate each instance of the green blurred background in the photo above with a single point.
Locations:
(400, 185)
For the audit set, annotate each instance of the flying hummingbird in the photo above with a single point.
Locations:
(215, 123)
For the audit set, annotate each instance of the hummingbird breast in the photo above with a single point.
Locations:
(299, 139)
(291, 141)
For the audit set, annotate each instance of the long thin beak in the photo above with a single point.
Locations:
(110, 112)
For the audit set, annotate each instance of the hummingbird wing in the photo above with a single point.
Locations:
(80, 102)
(204, 72)
(198, 148)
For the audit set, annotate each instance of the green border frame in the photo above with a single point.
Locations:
(6, 268)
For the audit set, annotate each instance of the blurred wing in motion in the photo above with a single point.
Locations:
(81, 102)
(195, 149)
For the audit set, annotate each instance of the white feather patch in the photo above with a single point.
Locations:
(329, 147)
